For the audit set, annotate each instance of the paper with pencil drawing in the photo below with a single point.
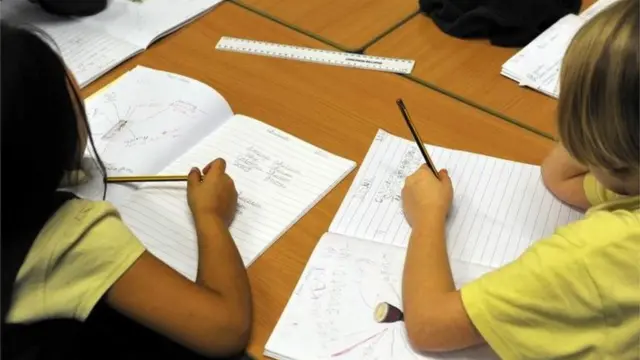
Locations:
(152, 122)
(330, 313)
(500, 208)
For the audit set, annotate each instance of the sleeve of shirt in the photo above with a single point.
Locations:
(533, 307)
(596, 192)
(78, 280)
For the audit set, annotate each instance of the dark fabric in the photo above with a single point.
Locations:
(73, 7)
(508, 23)
(106, 334)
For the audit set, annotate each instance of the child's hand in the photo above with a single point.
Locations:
(424, 195)
(213, 192)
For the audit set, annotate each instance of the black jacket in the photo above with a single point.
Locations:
(509, 23)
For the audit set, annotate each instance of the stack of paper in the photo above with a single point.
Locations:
(538, 64)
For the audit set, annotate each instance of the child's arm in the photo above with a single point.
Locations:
(213, 315)
(434, 313)
(564, 177)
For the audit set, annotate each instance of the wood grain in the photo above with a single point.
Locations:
(350, 24)
(470, 69)
(338, 109)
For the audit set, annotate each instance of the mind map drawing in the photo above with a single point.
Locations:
(342, 290)
(331, 312)
(118, 125)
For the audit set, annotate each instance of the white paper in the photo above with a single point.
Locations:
(145, 120)
(539, 63)
(86, 50)
(330, 313)
(596, 8)
(91, 46)
(278, 178)
(500, 207)
(144, 21)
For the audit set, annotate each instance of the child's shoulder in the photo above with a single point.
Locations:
(82, 211)
(604, 227)
(75, 218)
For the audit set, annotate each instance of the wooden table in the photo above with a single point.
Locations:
(338, 109)
(469, 69)
(349, 25)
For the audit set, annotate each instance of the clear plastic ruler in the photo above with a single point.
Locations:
(328, 57)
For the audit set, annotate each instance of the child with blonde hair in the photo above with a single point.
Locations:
(576, 294)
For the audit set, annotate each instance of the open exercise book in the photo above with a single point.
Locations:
(152, 122)
(93, 45)
(538, 64)
(500, 207)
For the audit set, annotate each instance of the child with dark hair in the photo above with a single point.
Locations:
(76, 282)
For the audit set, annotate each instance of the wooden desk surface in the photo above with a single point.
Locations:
(349, 25)
(470, 69)
(338, 109)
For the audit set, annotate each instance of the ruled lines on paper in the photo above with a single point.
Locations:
(500, 207)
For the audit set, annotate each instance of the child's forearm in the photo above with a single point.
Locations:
(426, 270)
(434, 314)
(220, 267)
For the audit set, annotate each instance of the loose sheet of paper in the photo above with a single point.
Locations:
(500, 207)
(538, 64)
(145, 120)
(88, 51)
(596, 8)
(330, 313)
(144, 21)
(278, 178)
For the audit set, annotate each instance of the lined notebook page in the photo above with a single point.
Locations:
(86, 50)
(330, 313)
(500, 207)
(278, 178)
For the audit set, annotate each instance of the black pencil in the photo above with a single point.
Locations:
(416, 137)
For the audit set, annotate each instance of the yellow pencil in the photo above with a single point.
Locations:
(151, 178)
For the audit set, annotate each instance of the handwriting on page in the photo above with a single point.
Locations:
(500, 207)
(278, 178)
(538, 64)
(330, 314)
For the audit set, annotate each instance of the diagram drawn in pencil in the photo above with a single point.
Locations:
(117, 125)
(352, 281)
(332, 308)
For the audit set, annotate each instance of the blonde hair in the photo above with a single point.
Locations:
(598, 115)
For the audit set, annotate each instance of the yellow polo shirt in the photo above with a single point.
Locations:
(574, 295)
(80, 252)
